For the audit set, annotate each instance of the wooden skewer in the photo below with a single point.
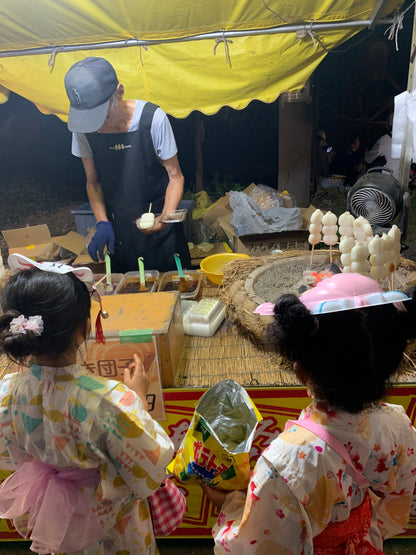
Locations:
(313, 248)
(150, 207)
(102, 279)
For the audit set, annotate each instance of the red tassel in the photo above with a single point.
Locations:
(99, 334)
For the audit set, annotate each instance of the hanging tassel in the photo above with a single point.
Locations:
(99, 333)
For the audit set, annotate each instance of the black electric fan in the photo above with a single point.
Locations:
(379, 198)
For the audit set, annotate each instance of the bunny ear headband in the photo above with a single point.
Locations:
(18, 263)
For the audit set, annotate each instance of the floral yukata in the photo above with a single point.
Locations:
(66, 418)
(300, 484)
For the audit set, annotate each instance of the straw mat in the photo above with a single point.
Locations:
(236, 354)
(231, 353)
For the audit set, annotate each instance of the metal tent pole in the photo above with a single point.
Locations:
(317, 27)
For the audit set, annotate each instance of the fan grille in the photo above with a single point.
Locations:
(374, 205)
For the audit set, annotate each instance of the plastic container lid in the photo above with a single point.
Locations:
(204, 318)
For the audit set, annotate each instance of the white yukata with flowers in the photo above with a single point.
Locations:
(66, 418)
(300, 484)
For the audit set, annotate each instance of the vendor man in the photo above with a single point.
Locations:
(129, 155)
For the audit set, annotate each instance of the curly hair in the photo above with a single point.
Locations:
(62, 301)
(349, 355)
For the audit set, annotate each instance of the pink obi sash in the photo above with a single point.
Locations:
(345, 537)
(52, 507)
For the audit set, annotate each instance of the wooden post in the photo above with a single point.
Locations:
(199, 161)
(295, 149)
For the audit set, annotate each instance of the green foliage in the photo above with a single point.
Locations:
(332, 199)
(216, 187)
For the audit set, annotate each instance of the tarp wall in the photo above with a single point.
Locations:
(179, 76)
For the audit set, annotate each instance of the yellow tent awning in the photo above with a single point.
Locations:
(182, 55)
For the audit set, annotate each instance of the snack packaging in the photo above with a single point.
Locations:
(217, 445)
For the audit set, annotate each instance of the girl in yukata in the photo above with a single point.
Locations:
(340, 479)
(85, 451)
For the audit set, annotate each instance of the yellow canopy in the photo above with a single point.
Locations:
(182, 55)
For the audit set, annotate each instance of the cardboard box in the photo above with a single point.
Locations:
(110, 360)
(220, 215)
(265, 243)
(219, 209)
(73, 243)
(135, 319)
(76, 244)
(34, 242)
(198, 254)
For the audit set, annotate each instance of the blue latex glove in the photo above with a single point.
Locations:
(103, 236)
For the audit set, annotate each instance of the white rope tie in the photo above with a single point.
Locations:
(140, 51)
(396, 26)
(226, 48)
(303, 33)
(51, 61)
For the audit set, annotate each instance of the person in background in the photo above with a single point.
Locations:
(350, 161)
(129, 155)
(379, 154)
(322, 154)
(340, 479)
(85, 451)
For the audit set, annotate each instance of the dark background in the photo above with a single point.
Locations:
(353, 88)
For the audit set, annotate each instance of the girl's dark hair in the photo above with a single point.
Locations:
(62, 300)
(349, 355)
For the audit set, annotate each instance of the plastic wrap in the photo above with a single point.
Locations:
(248, 218)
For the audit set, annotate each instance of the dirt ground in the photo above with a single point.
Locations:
(29, 202)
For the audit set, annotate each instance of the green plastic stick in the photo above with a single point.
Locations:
(141, 270)
(178, 265)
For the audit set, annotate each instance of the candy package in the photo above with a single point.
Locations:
(217, 444)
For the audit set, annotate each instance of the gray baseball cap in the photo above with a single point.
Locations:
(89, 85)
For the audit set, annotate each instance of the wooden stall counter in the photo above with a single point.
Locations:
(148, 324)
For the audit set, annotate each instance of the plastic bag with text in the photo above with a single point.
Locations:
(217, 444)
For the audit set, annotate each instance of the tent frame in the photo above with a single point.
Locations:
(217, 35)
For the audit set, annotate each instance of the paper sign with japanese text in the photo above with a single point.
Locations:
(110, 360)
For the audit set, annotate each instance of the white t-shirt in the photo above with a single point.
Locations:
(382, 147)
(161, 132)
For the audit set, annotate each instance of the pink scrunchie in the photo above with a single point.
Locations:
(48, 506)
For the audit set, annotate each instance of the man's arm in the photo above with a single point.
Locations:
(94, 191)
(104, 236)
(174, 192)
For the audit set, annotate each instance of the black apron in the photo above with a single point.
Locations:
(132, 177)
